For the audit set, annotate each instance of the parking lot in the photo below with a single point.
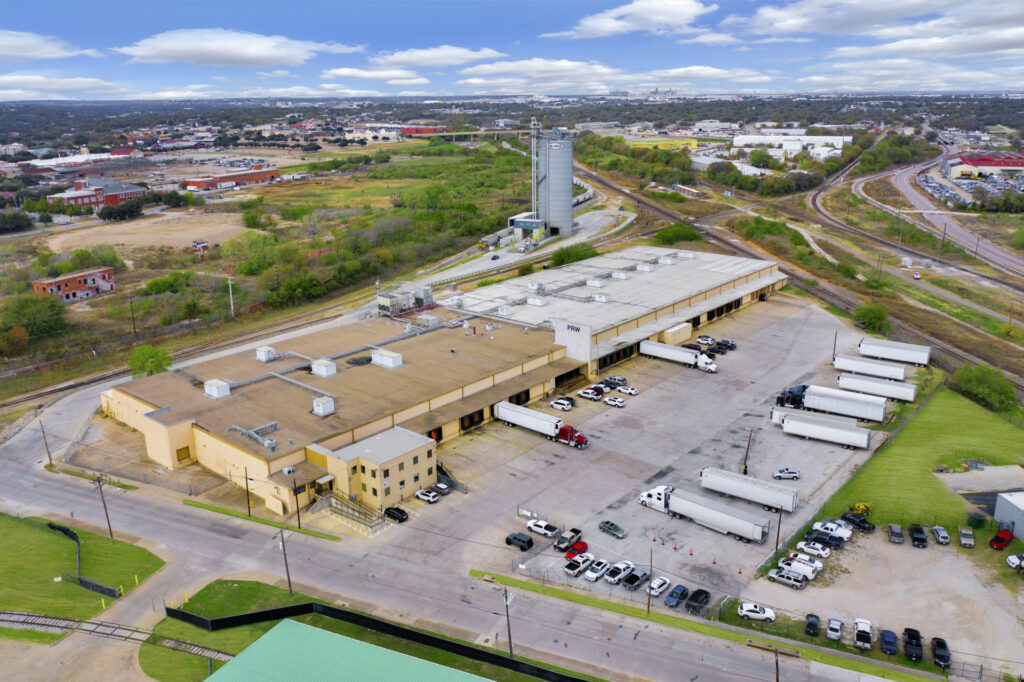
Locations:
(681, 421)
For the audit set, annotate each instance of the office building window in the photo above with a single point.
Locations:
(401, 466)
(374, 492)
(430, 453)
(416, 478)
(430, 471)
(364, 487)
(387, 472)
(362, 468)
(415, 460)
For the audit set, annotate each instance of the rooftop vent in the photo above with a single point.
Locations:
(323, 367)
(644, 267)
(288, 471)
(602, 298)
(666, 261)
(386, 358)
(217, 388)
(596, 283)
(535, 286)
(323, 405)
(265, 354)
(456, 301)
(428, 321)
(537, 301)
(620, 275)
(506, 312)
(689, 255)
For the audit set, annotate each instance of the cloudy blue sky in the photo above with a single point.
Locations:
(226, 48)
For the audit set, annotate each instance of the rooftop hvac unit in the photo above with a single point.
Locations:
(428, 321)
(324, 367)
(644, 267)
(323, 405)
(288, 471)
(620, 275)
(666, 261)
(217, 388)
(689, 255)
(265, 354)
(386, 358)
(596, 283)
(456, 301)
(539, 302)
(506, 312)
(602, 298)
(535, 286)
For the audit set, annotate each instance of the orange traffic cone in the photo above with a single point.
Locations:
(714, 559)
(691, 551)
(654, 539)
(675, 547)
(663, 541)
(741, 570)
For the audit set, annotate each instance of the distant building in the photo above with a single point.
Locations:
(98, 192)
(804, 140)
(123, 152)
(76, 286)
(235, 179)
(598, 125)
(1009, 510)
(423, 130)
(12, 149)
(506, 123)
(1007, 164)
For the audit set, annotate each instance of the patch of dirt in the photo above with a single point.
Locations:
(174, 229)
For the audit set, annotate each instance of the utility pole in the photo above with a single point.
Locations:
(899, 242)
(231, 297)
(778, 531)
(277, 276)
(284, 551)
(943, 242)
(295, 491)
(131, 304)
(101, 480)
(248, 501)
(508, 622)
(750, 436)
(977, 240)
(45, 443)
(835, 340)
(651, 563)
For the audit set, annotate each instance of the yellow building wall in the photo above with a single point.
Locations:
(512, 373)
(443, 400)
(372, 428)
(411, 412)
(478, 386)
(532, 365)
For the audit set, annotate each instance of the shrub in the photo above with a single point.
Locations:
(1018, 238)
(847, 270)
(38, 314)
(985, 386)
(677, 232)
(873, 316)
(573, 253)
(148, 360)
(525, 269)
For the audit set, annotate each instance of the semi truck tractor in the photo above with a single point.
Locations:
(822, 427)
(773, 496)
(551, 426)
(684, 356)
(875, 368)
(894, 350)
(821, 399)
(897, 390)
(709, 513)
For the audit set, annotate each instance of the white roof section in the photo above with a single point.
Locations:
(384, 446)
(1014, 498)
(666, 276)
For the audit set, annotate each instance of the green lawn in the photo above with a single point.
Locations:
(33, 555)
(898, 480)
(228, 597)
(34, 636)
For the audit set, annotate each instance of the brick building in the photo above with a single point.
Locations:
(98, 192)
(76, 286)
(235, 179)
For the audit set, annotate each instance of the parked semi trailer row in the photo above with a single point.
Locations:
(875, 368)
(771, 495)
(822, 399)
(709, 513)
(549, 425)
(894, 350)
(684, 356)
(897, 390)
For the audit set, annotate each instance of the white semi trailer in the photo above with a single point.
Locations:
(875, 368)
(707, 512)
(548, 424)
(780, 413)
(894, 350)
(821, 427)
(897, 390)
(685, 356)
(773, 496)
(821, 399)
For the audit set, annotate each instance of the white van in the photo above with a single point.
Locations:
(799, 567)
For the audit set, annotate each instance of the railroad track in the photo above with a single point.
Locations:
(31, 621)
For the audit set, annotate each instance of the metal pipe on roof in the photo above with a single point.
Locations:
(302, 385)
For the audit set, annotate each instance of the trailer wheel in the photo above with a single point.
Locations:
(745, 541)
(771, 579)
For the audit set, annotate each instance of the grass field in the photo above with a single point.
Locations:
(33, 555)
(898, 480)
(227, 597)
(336, 192)
(665, 143)
(34, 636)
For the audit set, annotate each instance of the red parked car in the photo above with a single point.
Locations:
(1001, 540)
(578, 548)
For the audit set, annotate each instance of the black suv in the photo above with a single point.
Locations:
(397, 514)
(940, 652)
(727, 343)
(918, 537)
(520, 540)
(912, 645)
(812, 625)
(823, 538)
(697, 601)
(859, 522)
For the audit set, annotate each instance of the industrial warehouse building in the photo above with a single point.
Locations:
(1005, 164)
(234, 179)
(356, 411)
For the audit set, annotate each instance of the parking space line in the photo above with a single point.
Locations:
(507, 442)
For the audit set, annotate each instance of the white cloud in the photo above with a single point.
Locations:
(222, 79)
(408, 81)
(435, 57)
(660, 17)
(911, 75)
(17, 46)
(833, 16)
(324, 90)
(199, 91)
(59, 86)
(225, 47)
(711, 38)
(276, 74)
(996, 43)
(546, 69)
(368, 74)
(769, 41)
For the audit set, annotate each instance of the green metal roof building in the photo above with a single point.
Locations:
(294, 651)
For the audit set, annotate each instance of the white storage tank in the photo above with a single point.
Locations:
(323, 405)
(217, 388)
(386, 358)
(265, 354)
(323, 367)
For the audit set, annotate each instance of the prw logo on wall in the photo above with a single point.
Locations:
(555, 145)
(573, 328)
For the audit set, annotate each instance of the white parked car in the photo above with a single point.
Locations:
(614, 401)
(834, 629)
(814, 549)
(542, 527)
(786, 473)
(619, 571)
(596, 570)
(706, 340)
(428, 496)
(1015, 560)
(628, 390)
(796, 556)
(561, 404)
(589, 394)
(658, 585)
(833, 529)
(751, 611)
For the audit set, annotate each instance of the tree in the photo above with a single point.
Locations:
(13, 341)
(39, 314)
(985, 386)
(525, 269)
(873, 316)
(45, 218)
(148, 360)
(573, 253)
(760, 158)
(14, 221)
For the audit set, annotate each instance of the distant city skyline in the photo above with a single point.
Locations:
(290, 50)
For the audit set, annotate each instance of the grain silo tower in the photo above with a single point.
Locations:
(552, 177)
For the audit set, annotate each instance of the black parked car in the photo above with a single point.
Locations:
(912, 645)
(397, 514)
(726, 343)
(918, 537)
(823, 538)
(859, 522)
(812, 625)
(697, 601)
(940, 652)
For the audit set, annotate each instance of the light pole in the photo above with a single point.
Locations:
(508, 622)
(231, 297)
(131, 304)
(101, 480)
(284, 551)
(899, 242)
